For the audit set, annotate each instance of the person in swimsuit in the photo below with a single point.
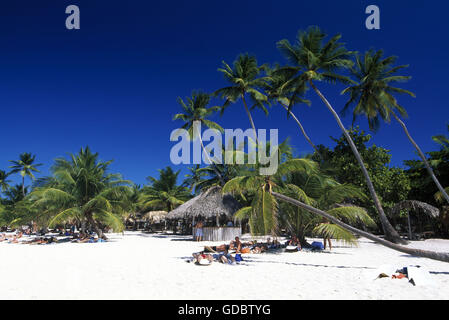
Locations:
(295, 242)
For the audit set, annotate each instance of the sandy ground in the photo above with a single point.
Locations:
(153, 266)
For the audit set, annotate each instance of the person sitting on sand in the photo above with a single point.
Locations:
(236, 245)
(295, 242)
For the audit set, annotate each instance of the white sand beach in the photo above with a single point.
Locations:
(153, 266)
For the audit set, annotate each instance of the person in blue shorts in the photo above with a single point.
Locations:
(199, 231)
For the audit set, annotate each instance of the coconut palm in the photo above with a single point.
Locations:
(4, 182)
(196, 112)
(263, 213)
(164, 193)
(442, 140)
(440, 256)
(82, 190)
(25, 166)
(323, 192)
(315, 60)
(281, 90)
(194, 178)
(373, 96)
(246, 81)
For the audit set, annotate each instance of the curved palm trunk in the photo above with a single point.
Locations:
(301, 127)
(441, 256)
(423, 157)
(250, 118)
(390, 233)
(209, 159)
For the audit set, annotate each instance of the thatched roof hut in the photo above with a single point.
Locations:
(417, 207)
(155, 216)
(209, 204)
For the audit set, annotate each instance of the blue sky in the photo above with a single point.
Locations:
(113, 84)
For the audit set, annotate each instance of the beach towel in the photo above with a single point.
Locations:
(419, 276)
(291, 249)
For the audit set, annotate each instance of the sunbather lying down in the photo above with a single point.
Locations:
(41, 240)
(225, 257)
(11, 239)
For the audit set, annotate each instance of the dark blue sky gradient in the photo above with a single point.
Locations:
(113, 84)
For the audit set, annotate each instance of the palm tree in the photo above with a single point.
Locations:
(246, 80)
(281, 90)
(164, 193)
(82, 190)
(323, 192)
(442, 140)
(4, 182)
(264, 210)
(440, 256)
(25, 165)
(318, 61)
(194, 178)
(196, 112)
(373, 96)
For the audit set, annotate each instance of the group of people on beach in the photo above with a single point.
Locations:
(40, 238)
(231, 253)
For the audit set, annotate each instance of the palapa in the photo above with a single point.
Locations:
(208, 204)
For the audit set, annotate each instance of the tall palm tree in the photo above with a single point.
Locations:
(282, 91)
(81, 189)
(4, 182)
(245, 82)
(164, 193)
(196, 112)
(26, 166)
(315, 60)
(373, 96)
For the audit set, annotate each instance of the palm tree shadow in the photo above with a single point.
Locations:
(307, 264)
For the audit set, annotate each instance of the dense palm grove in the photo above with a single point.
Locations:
(352, 182)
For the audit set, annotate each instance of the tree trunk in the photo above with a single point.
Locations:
(23, 186)
(440, 256)
(301, 127)
(208, 158)
(95, 226)
(390, 233)
(250, 118)
(422, 156)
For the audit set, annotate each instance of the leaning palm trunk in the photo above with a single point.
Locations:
(390, 233)
(423, 157)
(209, 159)
(301, 127)
(441, 256)
(250, 118)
